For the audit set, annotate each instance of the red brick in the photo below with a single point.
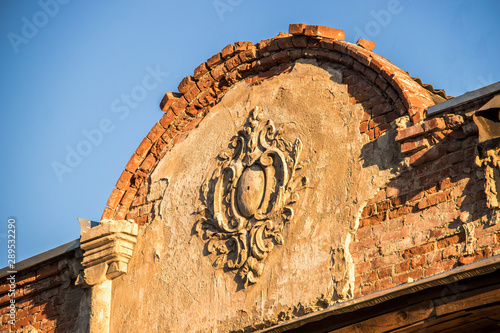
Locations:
(123, 182)
(128, 197)
(194, 109)
(419, 250)
(363, 233)
(314, 43)
(379, 229)
(167, 118)
(383, 261)
(322, 31)
(383, 205)
(434, 256)
(434, 178)
(227, 51)
(453, 120)
(107, 214)
(297, 28)
(369, 210)
(114, 198)
(437, 233)
(214, 60)
(362, 268)
(401, 211)
(416, 103)
(366, 44)
(282, 57)
(451, 240)
(426, 155)
(372, 220)
(412, 146)
(440, 267)
(299, 41)
(194, 91)
(180, 105)
(285, 43)
(233, 77)
(363, 127)
(200, 70)
(381, 195)
(186, 84)
(366, 290)
(371, 135)
(133, 163)
(434, 124)
(374, 122)
(385, 272)
(156, 132)
(365, 244)
(206, 97)
(396, 224)
(434, 199)
(408, 276)
(47, 324)
(249, 55)
(232, 63)
(416, 117)
(243, 46)
(392, 235)
(218, 72)
(451, 252)
(168, 100)
(409, 132)
(204, 82)
(193, 124)
(398, 201)
(417, 262)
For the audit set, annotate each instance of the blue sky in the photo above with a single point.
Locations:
(68, 66)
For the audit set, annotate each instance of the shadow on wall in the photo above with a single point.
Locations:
(429, 219)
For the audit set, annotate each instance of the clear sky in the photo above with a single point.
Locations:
(68, 66)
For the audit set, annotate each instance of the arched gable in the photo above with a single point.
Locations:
(254, 62)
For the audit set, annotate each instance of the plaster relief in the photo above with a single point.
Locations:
(248, 200)
(489, 159)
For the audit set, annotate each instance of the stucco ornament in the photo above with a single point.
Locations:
(489, 159)
(248, 199)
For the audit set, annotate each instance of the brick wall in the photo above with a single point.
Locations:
(433, 216)
(46, 298)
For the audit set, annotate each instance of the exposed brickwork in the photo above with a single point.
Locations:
(414, 227)
(47, 298)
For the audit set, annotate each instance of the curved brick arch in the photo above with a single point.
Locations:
(255, 62)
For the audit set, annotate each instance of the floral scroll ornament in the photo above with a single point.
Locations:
(247, 202)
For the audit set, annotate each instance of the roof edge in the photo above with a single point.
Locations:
(463, 99)
(477, 268)
(39, 258)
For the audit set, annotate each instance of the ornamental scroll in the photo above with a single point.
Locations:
(247, 202)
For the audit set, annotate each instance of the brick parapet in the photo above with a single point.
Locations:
(257, 62)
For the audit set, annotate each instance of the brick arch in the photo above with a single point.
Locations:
(254, 62)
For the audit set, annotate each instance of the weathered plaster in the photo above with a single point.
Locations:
(172, 285)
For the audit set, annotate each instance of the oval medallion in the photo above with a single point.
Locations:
(250, 190)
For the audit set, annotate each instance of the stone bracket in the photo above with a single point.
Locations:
(108, 248)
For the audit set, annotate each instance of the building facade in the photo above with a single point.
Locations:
(300, 184)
